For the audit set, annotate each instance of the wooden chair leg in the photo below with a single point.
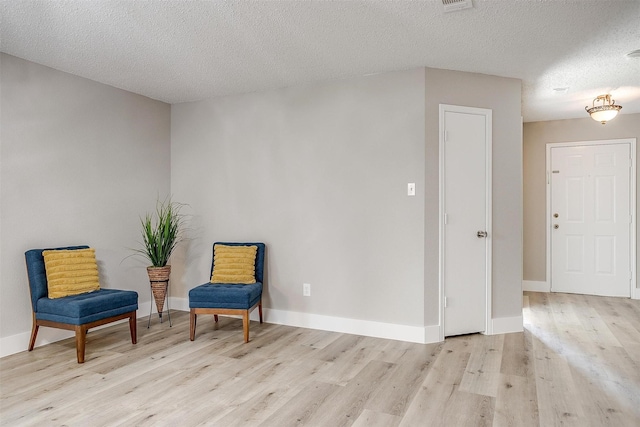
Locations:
(133, 327)
(34, 333)
(260, 310)
(245, 325)
(192, 325)
(81, 339)
(215, 318)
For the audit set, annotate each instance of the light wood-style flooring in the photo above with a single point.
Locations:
(576, 363)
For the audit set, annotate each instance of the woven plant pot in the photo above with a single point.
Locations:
(159, 281)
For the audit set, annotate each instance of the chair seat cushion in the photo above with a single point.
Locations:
(88, 307)
(225, 295)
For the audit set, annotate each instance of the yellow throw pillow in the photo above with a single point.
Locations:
(234, 264)
(71, 272)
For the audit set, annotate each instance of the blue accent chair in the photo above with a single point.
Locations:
(79, 312)
(228, 298)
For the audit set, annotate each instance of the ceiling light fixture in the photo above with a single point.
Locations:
(605, 112)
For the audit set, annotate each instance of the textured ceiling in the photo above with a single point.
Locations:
(177, 51)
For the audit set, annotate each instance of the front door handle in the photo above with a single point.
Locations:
(482, 234)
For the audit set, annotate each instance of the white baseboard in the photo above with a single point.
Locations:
(507, 325)
(181, 304)
(368, 328)
(19, 342)
(417, 334)
(431, 334)
(535, 286)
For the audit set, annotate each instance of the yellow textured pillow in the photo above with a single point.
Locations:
(71, 272)
(234, 264)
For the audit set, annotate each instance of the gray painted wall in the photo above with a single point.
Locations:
(319, 173)
(536, 136)
(502, 95)
(80, 161)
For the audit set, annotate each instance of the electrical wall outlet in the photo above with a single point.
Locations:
(306, 289)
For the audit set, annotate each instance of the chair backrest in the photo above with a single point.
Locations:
(37, 274)
(259, 257)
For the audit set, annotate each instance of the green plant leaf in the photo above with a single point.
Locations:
(161, 232)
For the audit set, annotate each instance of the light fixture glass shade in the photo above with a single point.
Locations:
(605, 112)
(604, 116)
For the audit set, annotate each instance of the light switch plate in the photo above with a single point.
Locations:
(411, 189)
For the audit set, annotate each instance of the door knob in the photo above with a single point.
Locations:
(555, 215)
(482, 234)
(556, 226)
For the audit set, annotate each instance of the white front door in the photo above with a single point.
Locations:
(590, 219)
(465, 223)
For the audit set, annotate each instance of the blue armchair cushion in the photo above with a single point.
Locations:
(88, 307)
(225, 295)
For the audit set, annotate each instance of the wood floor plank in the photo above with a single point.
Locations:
(633, 352)
(305, 405)
(394, 394)
(599, 404)
(623, 330)
(517, 355)
(369, 418)
(597, 329)
(339, 347)
(555, 388)
(33, 407)
(269, 342)
(255, 410)
(318, 339)
(443, 379)
(516, 402)
(482, 373)
(468, 409)
(631, 310)
(344, 406)
(619, 307)
(348, 356)
(291, 371)
(392, 351)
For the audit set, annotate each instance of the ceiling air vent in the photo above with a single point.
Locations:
(455, 5)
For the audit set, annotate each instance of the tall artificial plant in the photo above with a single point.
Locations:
(161, 232)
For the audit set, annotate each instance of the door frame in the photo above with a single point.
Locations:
(634, 291)
(487, 113)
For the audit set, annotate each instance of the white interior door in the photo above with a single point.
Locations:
(465, 223)
(591, 219)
